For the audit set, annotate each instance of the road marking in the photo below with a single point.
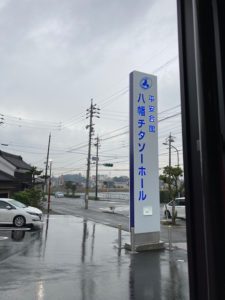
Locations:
(14, 229)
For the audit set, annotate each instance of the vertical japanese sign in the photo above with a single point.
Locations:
(144, 178)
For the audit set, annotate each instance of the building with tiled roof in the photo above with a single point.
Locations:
(14, 174)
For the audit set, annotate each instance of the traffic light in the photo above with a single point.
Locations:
(108, 165)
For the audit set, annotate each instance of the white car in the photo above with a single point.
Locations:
(59, 194)
(18, 214)
(180, 208)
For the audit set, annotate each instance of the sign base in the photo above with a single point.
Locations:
(145, 242)
(146, 247)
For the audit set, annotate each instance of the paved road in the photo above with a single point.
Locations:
(99, 211)
(70, 258)
(95, 211)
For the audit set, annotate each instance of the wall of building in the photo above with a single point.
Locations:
(6, 167)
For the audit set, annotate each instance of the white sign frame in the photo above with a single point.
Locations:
(144, 170)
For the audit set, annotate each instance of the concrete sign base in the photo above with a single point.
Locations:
(146, 247)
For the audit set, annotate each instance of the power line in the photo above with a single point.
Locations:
(30, 120)
(126, 89)
(117, 94)
(169, 109)
(112, 137)
(169, 117)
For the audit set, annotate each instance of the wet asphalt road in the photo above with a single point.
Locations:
(99, 211)
(71, 258)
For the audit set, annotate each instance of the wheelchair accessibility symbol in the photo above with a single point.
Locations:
(146, 83)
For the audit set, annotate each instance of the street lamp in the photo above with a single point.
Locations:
(178, 164)
(177, 155)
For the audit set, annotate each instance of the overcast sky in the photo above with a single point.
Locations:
(56, 55)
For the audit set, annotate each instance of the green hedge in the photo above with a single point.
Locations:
(30, 197)
(164, 196)
(93, 198)
(71, 196)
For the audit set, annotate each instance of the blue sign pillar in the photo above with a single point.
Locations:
(144, 175)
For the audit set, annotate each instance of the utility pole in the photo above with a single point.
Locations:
(96, 173)
(93, 111)
(46, 167)
(49, 185)
(168, 142)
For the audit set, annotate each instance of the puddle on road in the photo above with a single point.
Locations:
(71, 258)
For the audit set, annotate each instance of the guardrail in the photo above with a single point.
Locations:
(110, 196)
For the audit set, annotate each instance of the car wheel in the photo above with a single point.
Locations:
(167, 214)
(19, 221)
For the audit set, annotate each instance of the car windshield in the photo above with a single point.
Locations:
(16, 203)
(180, 201)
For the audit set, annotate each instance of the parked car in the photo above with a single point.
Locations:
(59, 194)
(18, 214)
(180, 208)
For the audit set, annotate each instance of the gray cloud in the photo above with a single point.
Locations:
(55, 55)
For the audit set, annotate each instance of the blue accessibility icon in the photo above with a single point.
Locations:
(146, 83)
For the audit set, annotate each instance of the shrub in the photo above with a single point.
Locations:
(72, 196)
(30, 197)
(164, 196)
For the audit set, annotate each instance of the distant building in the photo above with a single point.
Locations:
(14, 174)
(61, 180)
(121, 185)
(108, 184)
(100, 177)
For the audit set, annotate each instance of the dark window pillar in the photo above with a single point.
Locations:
(201, 48)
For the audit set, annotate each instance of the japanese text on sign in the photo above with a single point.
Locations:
(143, 106)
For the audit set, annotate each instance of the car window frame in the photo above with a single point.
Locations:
(6, 204)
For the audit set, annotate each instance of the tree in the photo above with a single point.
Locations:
(34, 173)
(171, 176)
(33, 197)
(73, 188)
(68, 186)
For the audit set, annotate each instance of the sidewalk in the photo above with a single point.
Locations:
(75, 259)
(124, 211)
